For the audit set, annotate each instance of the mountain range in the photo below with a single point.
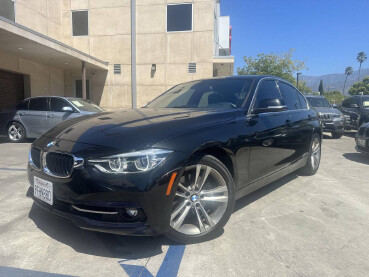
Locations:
(333, 81)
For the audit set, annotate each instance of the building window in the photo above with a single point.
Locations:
(179, 17)
(7, 9)
(117, 69)
(80, 23)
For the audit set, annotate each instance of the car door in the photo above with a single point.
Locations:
(269, 138)
(58, 112)
(298, 128)
(35, 118)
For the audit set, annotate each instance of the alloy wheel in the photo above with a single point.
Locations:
(315, 153)
(200, 202)
(15, 132)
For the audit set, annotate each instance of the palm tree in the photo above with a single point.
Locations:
(348, 71)
(361, 57)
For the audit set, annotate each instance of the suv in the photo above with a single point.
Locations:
(332, 119)
(34, 116)
(356, 111)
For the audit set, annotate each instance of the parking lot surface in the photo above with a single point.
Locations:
(298, 226)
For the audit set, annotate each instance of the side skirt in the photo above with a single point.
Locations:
(271, 178)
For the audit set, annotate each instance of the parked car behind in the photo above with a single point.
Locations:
(177, 165)
(332, 119)
(356, 110)
(34, 116)
(362, 139)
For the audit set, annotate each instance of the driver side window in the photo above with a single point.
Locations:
(267, 89)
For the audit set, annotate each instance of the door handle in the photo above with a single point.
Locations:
(21, 114)
(51, 116)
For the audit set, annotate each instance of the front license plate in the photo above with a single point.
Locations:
(43, 190)
(361, 142)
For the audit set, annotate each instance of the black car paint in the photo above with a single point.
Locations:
(356, 116)
(363, 133)
(257, 149)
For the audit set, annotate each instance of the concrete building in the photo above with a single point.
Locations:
(46, 45)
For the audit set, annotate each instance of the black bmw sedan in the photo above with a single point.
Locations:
(176, 166)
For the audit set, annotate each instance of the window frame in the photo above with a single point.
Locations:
(15, 13)
(62, 99)
(166, 17)
(88, 22)
(47, 98)
(257, 89)
(296, 91)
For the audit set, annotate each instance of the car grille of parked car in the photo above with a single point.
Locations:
(58, 164)
(36, 157)
(325, 116)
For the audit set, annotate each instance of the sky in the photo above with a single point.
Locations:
(326, 34)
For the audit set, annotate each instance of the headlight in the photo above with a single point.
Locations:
(139, 161)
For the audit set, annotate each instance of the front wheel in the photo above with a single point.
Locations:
(313, 162)
(16, 132)
(203, 203)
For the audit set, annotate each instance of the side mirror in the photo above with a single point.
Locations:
(268, 105)
(355, 106)
(334, 106)
(67, 109)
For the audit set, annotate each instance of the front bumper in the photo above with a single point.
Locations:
(89, 189)
(336, 125)
(362, 149)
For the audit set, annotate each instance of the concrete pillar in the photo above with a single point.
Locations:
(84, 94)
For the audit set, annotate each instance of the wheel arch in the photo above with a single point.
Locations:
(224, 155)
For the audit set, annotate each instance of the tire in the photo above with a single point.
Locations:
(315, 153)
(16, 132)
(198, 215)
(337, 135)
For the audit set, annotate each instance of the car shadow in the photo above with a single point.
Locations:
(350, 134)
(99, 244)
(4, 139)
(260, 193)
(124, 247)
(357, 157)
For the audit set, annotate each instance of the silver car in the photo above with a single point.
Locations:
(34, 116)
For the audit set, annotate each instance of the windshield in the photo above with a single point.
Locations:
(318, 102)
(85, 105)
(365, 102)
(212, 94)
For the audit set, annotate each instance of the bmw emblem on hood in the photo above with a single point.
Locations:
(51, 143)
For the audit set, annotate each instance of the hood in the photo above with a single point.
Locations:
(135, 129)
(327, 110)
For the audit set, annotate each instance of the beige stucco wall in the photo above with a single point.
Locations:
(43, 16)
(45, 79)
(109, 39)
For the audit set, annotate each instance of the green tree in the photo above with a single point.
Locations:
(321, 87)
(348, 71)
(283, 65)
(334, 97)
(302, 86)
(360, 87)
(361, 57)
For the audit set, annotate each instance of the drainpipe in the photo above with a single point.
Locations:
(84, 94)
(133, 54)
